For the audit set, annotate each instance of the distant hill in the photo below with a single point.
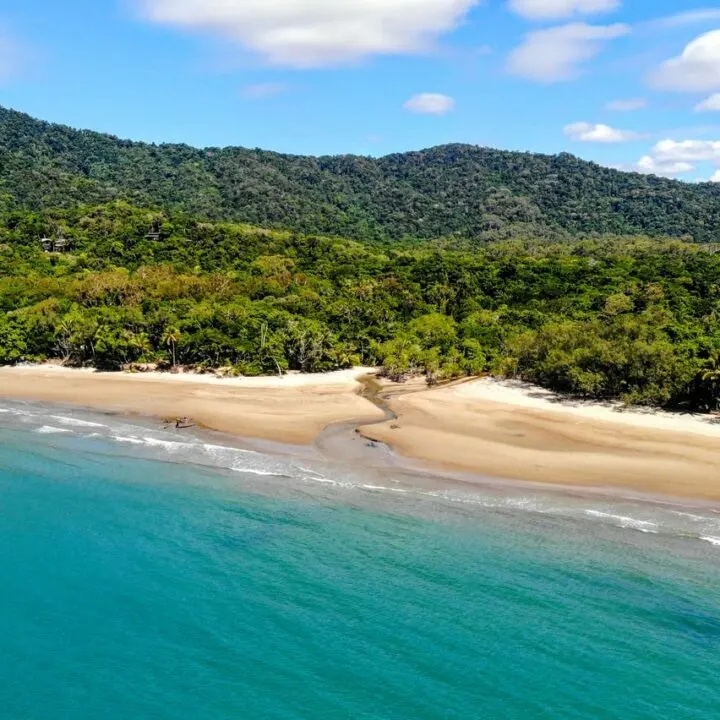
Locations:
(448, 191)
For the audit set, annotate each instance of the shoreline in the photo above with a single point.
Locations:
(504, 430)
(292, 409)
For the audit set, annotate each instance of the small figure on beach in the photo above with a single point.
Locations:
(182, 423)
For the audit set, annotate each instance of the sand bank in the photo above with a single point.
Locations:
(291, 409)
(511, 430)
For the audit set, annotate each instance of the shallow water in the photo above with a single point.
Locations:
(155, 574)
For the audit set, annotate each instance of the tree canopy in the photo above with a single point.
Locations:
(616, 317)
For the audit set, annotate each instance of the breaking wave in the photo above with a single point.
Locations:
(50, 430)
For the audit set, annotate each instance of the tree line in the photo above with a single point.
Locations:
(613, 317)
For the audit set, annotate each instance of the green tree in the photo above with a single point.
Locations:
(171, 337)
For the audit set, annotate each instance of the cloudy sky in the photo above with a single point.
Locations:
(628, 83)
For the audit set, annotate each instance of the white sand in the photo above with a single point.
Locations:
(525, 395)
(512, 430)
(336, 379)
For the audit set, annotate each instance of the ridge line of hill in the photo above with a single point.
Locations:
(449, 191)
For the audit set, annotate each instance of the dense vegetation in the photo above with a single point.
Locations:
(454, 191)
(631, 318)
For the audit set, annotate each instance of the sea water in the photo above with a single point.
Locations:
(150, 574)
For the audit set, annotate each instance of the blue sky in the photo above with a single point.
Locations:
(628, 83)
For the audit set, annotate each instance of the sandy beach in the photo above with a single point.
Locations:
(506, 429)
(292, 409)
(502, 429)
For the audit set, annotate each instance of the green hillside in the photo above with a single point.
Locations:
(450, 191)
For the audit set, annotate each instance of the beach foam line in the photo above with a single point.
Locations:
(534, 505)
(625, 521)
(127, 439)
(51, 430)
(329, 481)
(228, 448)
(263, 473)
(691, 516)
(315, 477)
(711, 539)
(523, 503)
(167, 444)
(74, 422)
(309, 470)
(382, 488)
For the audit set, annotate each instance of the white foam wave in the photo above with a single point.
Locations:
(691, 516)
(128, 439)
(382, 488)
(310, 471)
(50, 430)
(625, 521)
(530, 504)
(168, 444)
(329, 481)
(227, 448)
(523, 503)
(220, 455)
(712, 540)
(252, 471)
(74, 422)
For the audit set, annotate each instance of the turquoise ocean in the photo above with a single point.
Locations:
(151, 574)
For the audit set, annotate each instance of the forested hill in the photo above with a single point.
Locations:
(449, 191)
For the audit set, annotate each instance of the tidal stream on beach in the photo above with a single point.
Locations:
(151, 573)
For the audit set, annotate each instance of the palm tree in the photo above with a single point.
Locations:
(171, 337)
(712, 374)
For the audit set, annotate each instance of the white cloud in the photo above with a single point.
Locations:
(315, 33)
(711, 104)
(650, 166)
(697, 69)
(691, 17)
(715, 177)
(259, 91)
(687, 150)
(587, 132)
(558, 53)
(558, 9)
(430, 104)
(676, 157)
(629, 105)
